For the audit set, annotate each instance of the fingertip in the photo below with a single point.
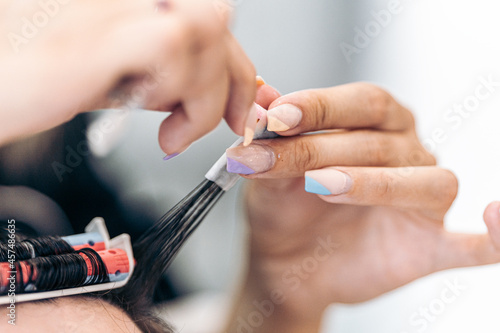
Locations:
(492, 212)
(314, 186)
(283, 118)
(176, 134)
(171, 156)
(266, 95)
(327, 182)
(250, 160)
(236, 125)
(491, 217)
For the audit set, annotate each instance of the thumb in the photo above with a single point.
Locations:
(491, 217)
(464, 250)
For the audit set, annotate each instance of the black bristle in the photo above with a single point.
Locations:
(157, 247)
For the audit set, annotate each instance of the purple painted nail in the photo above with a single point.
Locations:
(255, 158)
(169, 157)
(236, 167)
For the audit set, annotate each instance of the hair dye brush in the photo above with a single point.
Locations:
(158, 246)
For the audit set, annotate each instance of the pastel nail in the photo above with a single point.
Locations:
(169, 157)
(234, 166)
(250, 124)
(327, 181)
(249, 160)
(260, 81)
(313, 186)
(283, 118)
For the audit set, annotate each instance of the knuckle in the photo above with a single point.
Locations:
(413, 153)
(306, 155)
(204, 123)
(379, 102)
(386, 186)
(430, 159)
(320, 109)
(444, 188)
(448, 186)
(202, 34)
(377, 150)
(410, 117)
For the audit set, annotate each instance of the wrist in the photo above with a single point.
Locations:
(267, 304)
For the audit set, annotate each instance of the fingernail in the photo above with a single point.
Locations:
(171, 156)
(327, 182)
(261, 112)
(283, 118)
(260, 81)
(249, 160)
(250, 125)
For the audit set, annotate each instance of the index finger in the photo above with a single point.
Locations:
(350, 106)
(266, 94)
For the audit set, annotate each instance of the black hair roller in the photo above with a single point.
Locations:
(83, 267)
(36, 247)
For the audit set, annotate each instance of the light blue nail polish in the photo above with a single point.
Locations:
(312, 186)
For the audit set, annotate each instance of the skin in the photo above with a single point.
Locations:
(70, 314)
(179, 57)
(386, 231)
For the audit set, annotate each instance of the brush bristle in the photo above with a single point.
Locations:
(157, 247)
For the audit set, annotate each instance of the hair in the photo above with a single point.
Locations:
(137, 305)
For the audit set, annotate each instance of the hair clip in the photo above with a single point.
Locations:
(96, 236)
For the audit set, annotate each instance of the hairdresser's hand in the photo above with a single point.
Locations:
(66, 57)
(381, 227)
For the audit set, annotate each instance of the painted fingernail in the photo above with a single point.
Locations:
(283, 117)
(171, 156)
(250, 125)
(260, 81)
(249, 160)
(327, 182)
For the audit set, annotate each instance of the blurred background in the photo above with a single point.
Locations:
(430, 54)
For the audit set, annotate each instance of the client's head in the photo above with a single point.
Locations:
(84, 313)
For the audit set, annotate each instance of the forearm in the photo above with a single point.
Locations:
(270, 298)
(257, 310)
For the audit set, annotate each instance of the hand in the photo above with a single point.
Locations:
(176, 55)
(382, 227)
